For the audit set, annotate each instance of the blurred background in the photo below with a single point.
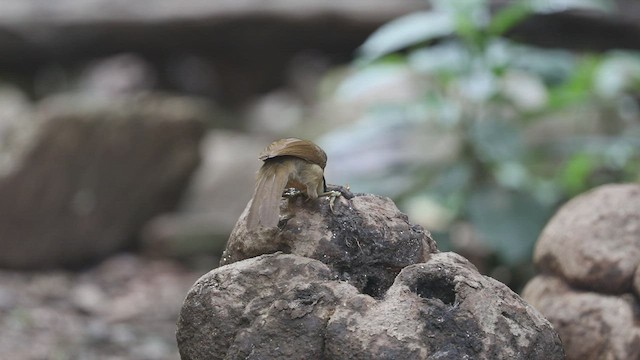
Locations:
(129, 135)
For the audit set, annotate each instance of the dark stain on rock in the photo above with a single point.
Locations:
(433, 287)
(453, 334)
(363, 254)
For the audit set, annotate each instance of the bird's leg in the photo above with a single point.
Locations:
(337, 191)
(332, 195)
(290, 194)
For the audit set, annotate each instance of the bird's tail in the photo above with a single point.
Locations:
(265, 206)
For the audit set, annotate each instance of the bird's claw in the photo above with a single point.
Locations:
(333, 194)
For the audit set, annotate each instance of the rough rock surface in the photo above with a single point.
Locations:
(80, 176)
(589, 254)
(283, 306)
(593, 242)
(358, 282)
(591, 325)
(366, 240)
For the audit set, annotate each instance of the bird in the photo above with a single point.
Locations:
(287, 163)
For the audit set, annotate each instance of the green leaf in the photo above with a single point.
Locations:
(508, 221)
(361, 82)
(407, 31)
(508, 17)
(618, 73)
(550, 6)
(451, 184)
(472, 18)
(450, 57)
(575, 175)
(579, 87)
(553, 66)
(496, 140)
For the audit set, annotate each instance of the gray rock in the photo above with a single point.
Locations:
(365, 240)
(117, 75)
(591, 325)
(87, 173)
(589, 255)
(444, 309)
(636, 282)
(592, 241)
(245, 46)
(284, 306)
(226, 176)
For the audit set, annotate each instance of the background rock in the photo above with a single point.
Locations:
(217, 194)
(213, 48)
(636, 282)
(591, 325)
(286, 306)
(237, 49)
(87, 174)
(589, 254)
(592, 241)
(366, 240)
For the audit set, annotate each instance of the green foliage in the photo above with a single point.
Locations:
(533, 126)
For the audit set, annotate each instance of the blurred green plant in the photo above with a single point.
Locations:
(534, 126)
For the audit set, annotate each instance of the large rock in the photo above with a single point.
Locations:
(593, 242)
(227, 48)
(226, 176)
(589, 254)
(365, 239)
(81, 176)
(358, 282)
(636, 282)
(291, 307)
(591, 325)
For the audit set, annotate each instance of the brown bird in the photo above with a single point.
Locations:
(288, 163)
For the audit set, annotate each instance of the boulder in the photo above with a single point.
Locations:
(82, 175)
(636, 282)
(355, 280)
(589, 255)
(232, 50)
(226, 175)
(284, 306)
(593, 241)
(365, 239)
(591, 325)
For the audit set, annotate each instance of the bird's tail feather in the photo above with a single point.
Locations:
(265, 206)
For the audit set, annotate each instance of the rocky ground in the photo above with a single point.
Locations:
(124, 308)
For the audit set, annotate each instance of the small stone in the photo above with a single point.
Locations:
(88, 297)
